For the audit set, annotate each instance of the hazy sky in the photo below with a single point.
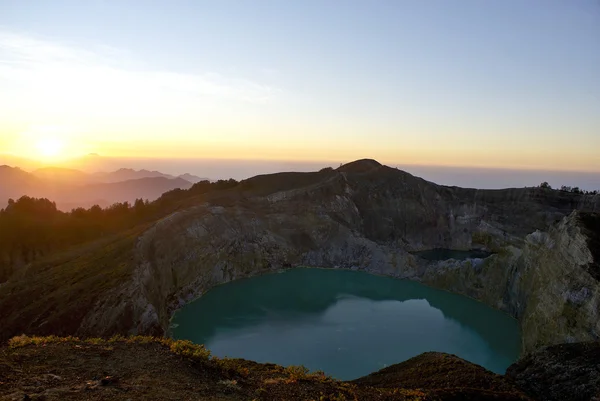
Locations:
(510, 83)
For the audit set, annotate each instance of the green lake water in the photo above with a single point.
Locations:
(346, 323)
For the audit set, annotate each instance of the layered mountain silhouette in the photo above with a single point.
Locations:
(66, 175)
(126, 174)
(71, 188)
(123, 174)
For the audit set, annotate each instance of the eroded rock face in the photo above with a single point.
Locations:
(562, 372)
(544, 283)
(371, 217)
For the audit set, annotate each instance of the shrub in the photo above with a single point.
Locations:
(180, 347)
(24, 340)
(116, 339)
(189, 349)
(297, 372)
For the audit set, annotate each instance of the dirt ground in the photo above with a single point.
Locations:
(152, 370)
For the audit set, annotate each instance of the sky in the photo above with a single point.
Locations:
(496, 84)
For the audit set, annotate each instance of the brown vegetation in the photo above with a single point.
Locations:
(149, 368)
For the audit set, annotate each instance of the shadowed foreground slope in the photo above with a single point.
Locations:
(563, 372)
(144, 368)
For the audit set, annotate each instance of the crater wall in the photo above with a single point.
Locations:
(371, 219)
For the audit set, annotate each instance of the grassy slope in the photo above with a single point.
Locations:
(53, 295)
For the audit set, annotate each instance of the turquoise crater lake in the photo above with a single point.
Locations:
(346, 323)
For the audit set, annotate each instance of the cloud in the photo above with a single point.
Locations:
(110, 80)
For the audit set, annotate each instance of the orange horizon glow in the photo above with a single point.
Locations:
(59, 153)
(59, 144)
(419, 146)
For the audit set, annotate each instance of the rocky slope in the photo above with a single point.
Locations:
(159, 369)
(365, 216)
(562, 372)
(547, 282)
(140, 368)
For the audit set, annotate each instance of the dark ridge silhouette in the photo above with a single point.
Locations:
(270, 183)
(360, 166)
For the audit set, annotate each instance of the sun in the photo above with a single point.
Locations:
(50, 147)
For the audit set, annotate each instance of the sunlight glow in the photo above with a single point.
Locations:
(50, 147)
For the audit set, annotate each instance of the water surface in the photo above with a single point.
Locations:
(346, 323)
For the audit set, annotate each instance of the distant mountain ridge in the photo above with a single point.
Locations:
(71, 188)
(120, 175)
(12, 178)
(125, 174)
(61, 174)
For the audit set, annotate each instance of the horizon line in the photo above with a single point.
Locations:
(325, 162)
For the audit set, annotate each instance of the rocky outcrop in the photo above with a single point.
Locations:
(371, 217)
(562, 372)
(545, 283)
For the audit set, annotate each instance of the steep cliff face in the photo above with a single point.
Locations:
(545, 284)
(371, 217)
